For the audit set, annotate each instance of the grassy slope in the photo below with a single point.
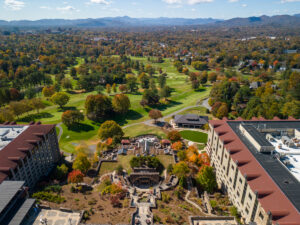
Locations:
(194, 136)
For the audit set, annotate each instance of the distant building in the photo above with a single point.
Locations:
(257, 163)
(292, 51)
(15, 207)
(212, 220)
(27, 152)
(255, 85)
(190, 121)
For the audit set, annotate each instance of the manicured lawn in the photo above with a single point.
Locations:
(194, 136)
(182, 96)
(142, 129)
(108, 167)
(166, 160)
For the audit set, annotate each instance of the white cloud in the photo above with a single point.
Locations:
(244, 5)
(105, 2)
(67, 9)
(233, 0)
(287, 1)
(190, 2)
(14, 4)
(45, 7)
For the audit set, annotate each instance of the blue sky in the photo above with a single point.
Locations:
(72, 9)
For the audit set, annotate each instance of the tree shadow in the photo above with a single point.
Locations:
(164, 107)
(63, 109)
(201, 89)
(36, 116)
(130, 115)
(81, 127)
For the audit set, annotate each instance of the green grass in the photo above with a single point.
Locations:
(194, 136)
(166, 160)
(142, 129)
(108, 167)
(182, 96)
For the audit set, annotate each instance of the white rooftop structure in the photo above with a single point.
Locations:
(8, 134)
(289, 150)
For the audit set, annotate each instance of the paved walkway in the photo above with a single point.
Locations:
(60, 131)
(206, 105)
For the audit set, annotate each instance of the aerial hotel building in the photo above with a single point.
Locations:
(257, 162)
(27, 152)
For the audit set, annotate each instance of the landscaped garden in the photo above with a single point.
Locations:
(194, 136)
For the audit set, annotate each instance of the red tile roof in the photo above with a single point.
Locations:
(270, 196)
(18, 147)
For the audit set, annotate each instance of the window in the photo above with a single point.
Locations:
(223, 167)
(230, 180)
(232, 167)
(261, 216)
(250, 196)
(240, 180)
(238, 194)
(225, 156)
(247, 211)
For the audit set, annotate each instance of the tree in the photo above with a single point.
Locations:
(195, 84)
(198, 65)
(207, 178)
(73, 72)
(123, 88)
(121, 103)
(174, 136)
(37, 104)
(108, 88)
(110, 129)
(30, 93)
(48, 91)
(165, 92)
(145, 80)
(14, 94)
(81, 163)
(181, 169)
(177, 145)
(6, 115)
(98, 107)
(18, 108)
(161, 80)
(212, 77)
(61, 172)
(71, 117)
(151, 97)
(76, 176)
(131, 82)
(203, 77)
(114, 87)
(291, 109)
(155, 114)
(66, 83)
(222, 111)
(60, 98)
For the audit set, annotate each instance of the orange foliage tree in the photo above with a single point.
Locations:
(76, 176)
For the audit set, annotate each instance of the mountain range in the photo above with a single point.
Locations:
(162, 21)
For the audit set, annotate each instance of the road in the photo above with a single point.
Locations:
(206, 105)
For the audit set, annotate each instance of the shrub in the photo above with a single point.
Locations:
(165, 197)
(174, 136)
(46, 196)
(53, 188)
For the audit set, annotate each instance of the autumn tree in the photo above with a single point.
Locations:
(76, 176)
(48, 91)
(121, 103)
(222, 111)
(212, 77)
(155, 114)
(37, 104)
(60, 98)
(114, 87)
(181, 169)
(108, 88)
(177, 145)
(131, 83)
(174, 136)
(81, 163)
(123, 88)
(110, 129)
(71, 117)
